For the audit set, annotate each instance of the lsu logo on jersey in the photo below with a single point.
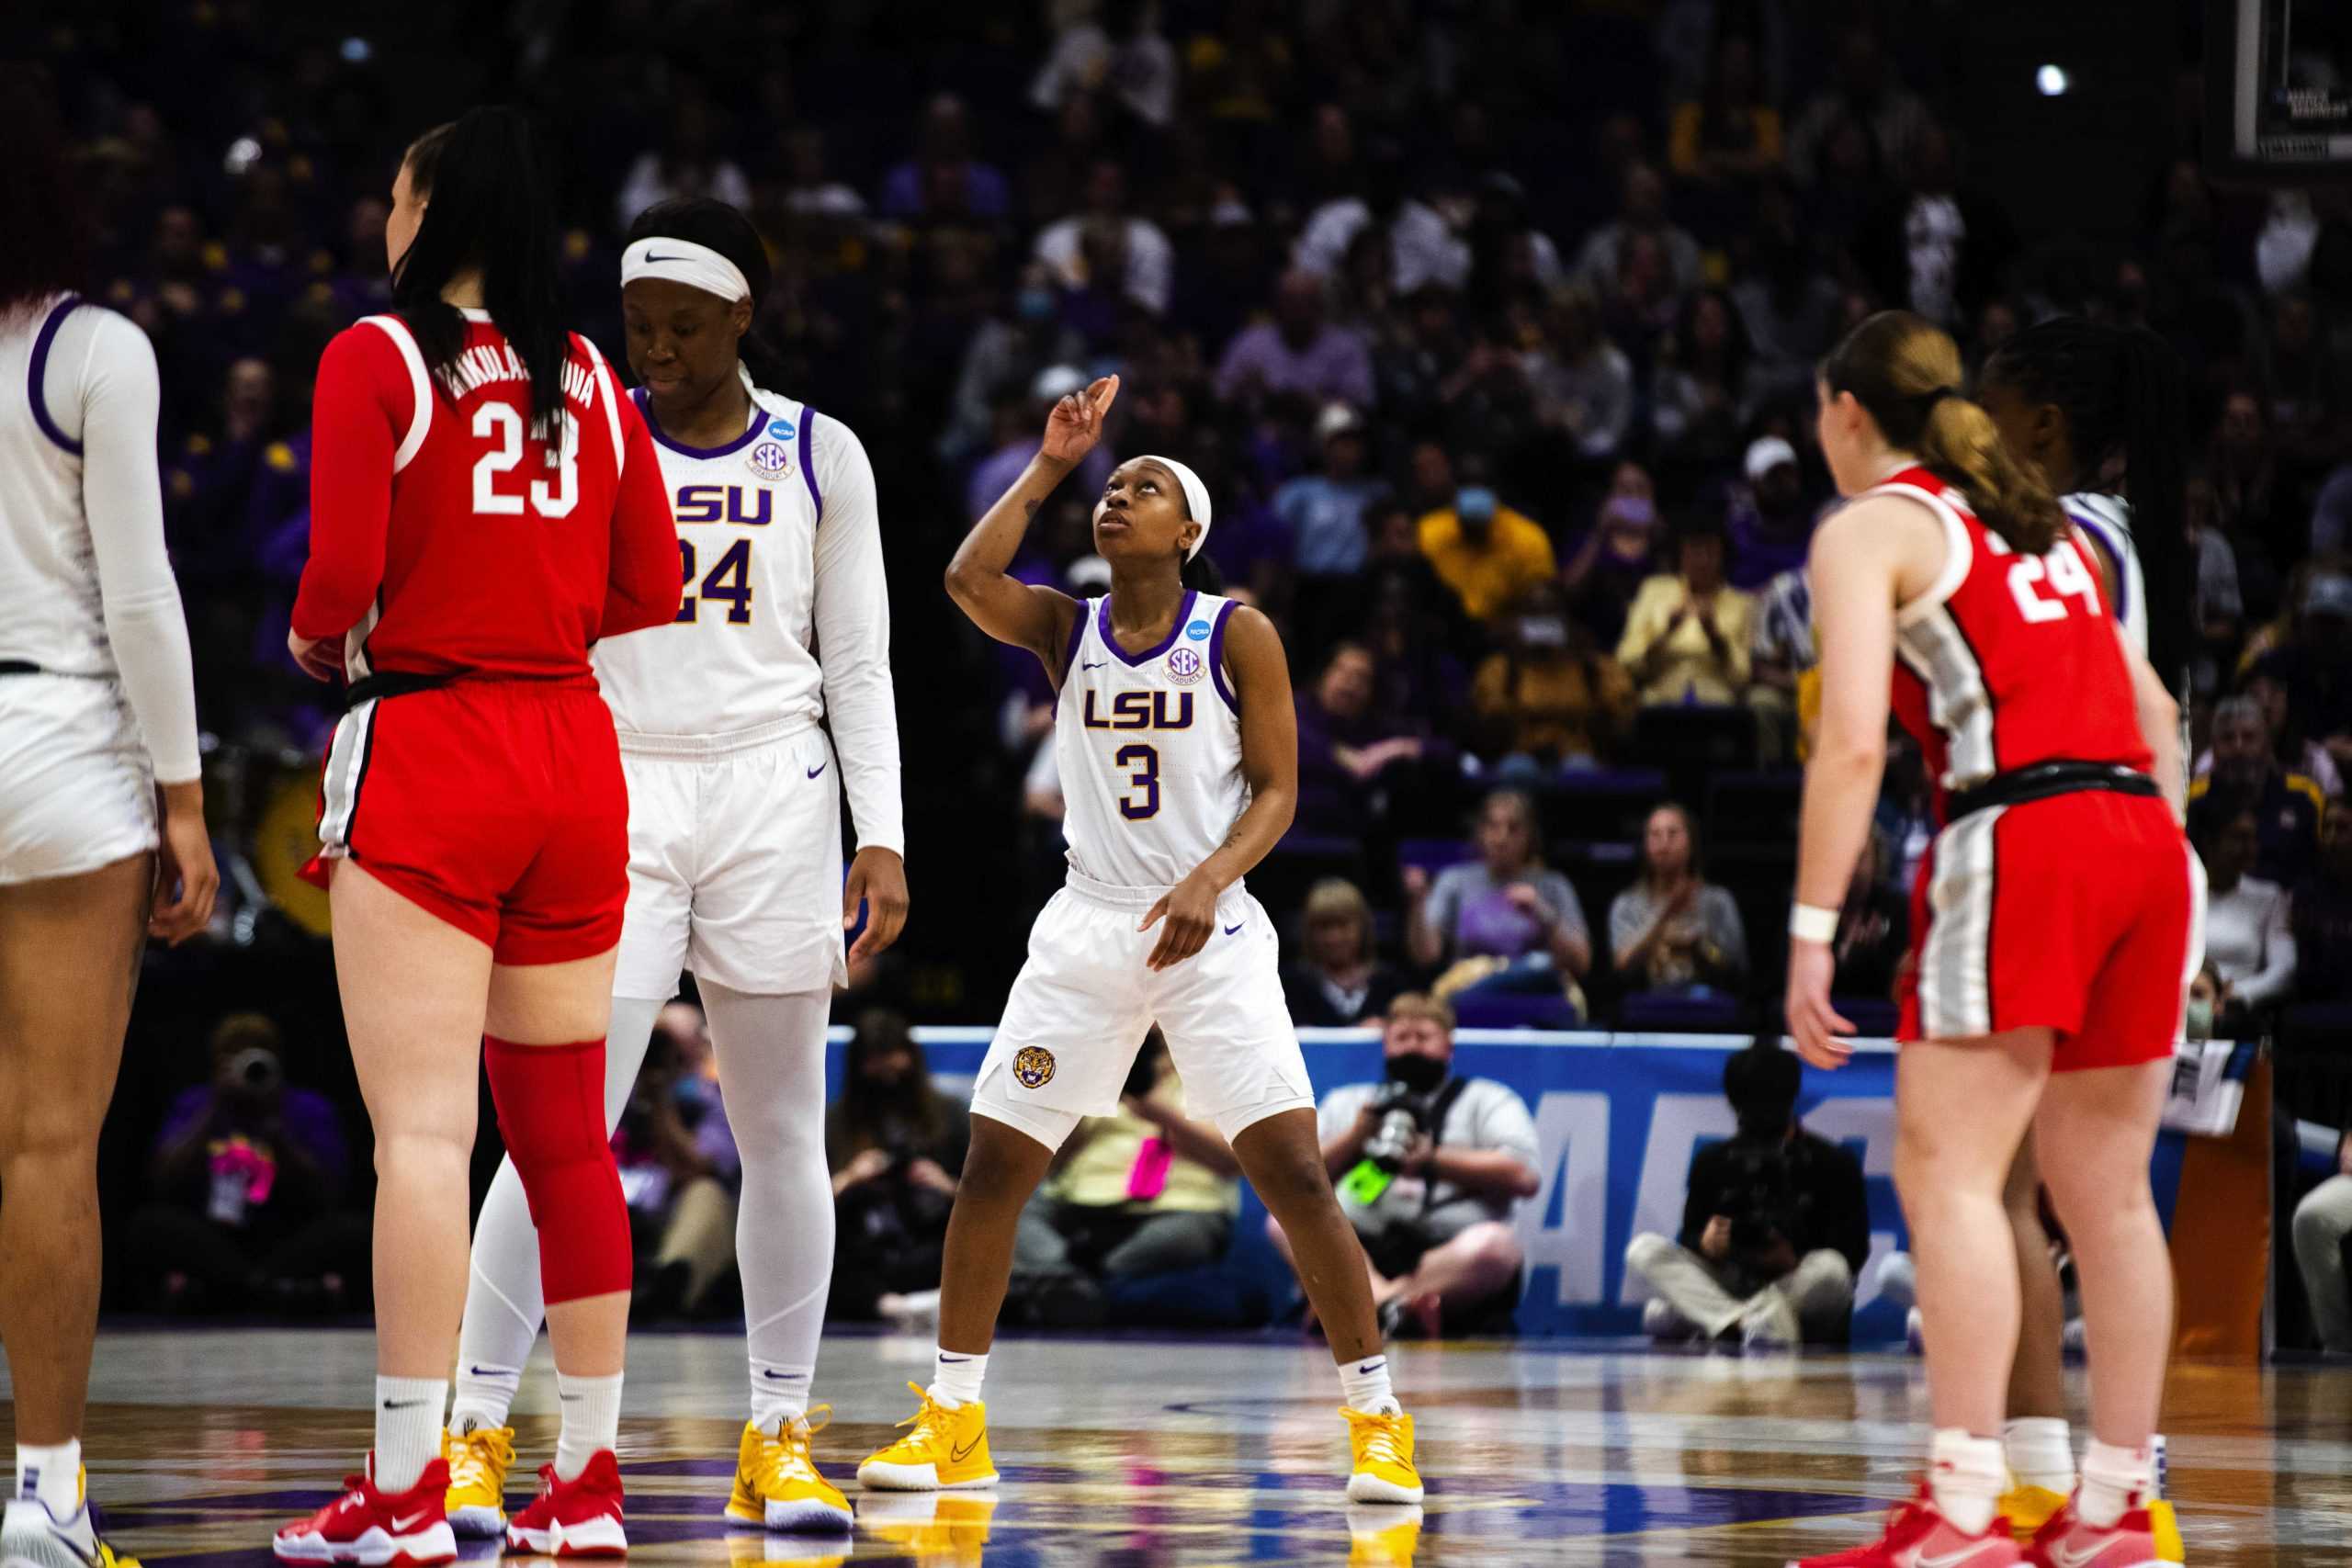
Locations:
(725, 504)
(1033, 1066)
(1141, 710)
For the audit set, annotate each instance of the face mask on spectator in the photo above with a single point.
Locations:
(1418, 1073)
(1542, 631)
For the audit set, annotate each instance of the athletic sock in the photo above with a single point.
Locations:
(956, 1379)
(53, 1472)
(1967, 1474)
(779, 1393)
(591, 1421)
(485, 1394)
(2164, 1467)
(1363, 1386)
(408, 1430)
(2041, 1452)
(2112, 1478)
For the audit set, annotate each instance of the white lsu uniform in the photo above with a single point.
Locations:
(1149, 748)
(735, 795)
(97, 698)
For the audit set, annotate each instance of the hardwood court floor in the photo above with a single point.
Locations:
(1158, 1454)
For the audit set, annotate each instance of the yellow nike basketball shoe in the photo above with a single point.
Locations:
(2029, 1508)
(33, 1537)
(776, 1484)
(479, 1461)
(1382, 1448)
(944, 1450)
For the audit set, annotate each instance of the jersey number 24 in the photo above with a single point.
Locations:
(2064, 572)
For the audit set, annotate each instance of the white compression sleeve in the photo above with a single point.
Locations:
(503, 1303)
(101, 386)
(771, 1053)
(852, 616)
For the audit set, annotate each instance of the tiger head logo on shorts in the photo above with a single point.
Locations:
(1033, 1066)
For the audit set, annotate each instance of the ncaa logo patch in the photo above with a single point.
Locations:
(1033, 1066)
(770, 459)
(1198, 631)
(1185, 667)
(781, 429)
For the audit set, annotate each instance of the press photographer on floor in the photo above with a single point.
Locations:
(1430, 1166)
(1775, 1230)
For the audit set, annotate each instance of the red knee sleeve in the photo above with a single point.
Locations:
(551, 1113)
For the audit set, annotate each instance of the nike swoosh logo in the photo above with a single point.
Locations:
(1230, 930)
(1368, 1367)
(1955, 1559)
(651, 257)
(1096, 665)
(2067, 1557)
(412, 1521)
(958, 1456)
(954, 1360)
(778, 1375)
(402, 1404)
(818, 769)
(481, 1371)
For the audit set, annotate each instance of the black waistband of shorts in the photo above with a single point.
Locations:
(392, 684)
(19, 667)
(2042, 780)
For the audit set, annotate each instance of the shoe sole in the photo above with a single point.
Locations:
(477, 1522)
(374, 1549)
(590, 1538)
(1372, 1489)
(917, 1478)
(793, 1518)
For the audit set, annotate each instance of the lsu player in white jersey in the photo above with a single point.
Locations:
(735, 846)
(2098, 410)
(1178, 755)
(98, 721)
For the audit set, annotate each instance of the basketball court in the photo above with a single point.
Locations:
(1159, 1451)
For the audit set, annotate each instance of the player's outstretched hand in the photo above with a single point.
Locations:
(1190, 910)
(1076, 424)
(1812, 1023)
(878, 879)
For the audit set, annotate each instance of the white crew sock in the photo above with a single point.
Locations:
(591, 1421)
(1363, 1386)
(53, 1472)
(956, 1379)
(2164, 1467)
(1967, 1475)
(484, 1396)
(779, 1395)
(2112, 1479)
(2040, 1453)
(408, 1430)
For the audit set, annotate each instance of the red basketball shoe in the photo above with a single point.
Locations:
(1919, 1536)
(376, 1529)
(2132, 1542)
(580, 1518)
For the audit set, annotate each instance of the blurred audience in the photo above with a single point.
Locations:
(679, 1169)
(1672, 932)
(1690, 634)
(895, 1146)
(1504, 924)
(2247, 935)
(1339, 980)
(2285, 806)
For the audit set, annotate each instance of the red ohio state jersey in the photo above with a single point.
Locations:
(448, 536)
(2009, 659)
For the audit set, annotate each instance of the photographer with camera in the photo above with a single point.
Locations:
(1430, 1166)
(895, 1145)
(680, 1171)
(247, 1174)
(1775, 1230)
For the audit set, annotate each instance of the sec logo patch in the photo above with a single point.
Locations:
(770, 459)
(1185, 667)
(1033, 1066)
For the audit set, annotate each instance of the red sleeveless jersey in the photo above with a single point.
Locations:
(2009, 659)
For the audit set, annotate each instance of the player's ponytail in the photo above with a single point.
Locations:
(1906, 373)
(707, 221)
(1200, 574)
(491, 211)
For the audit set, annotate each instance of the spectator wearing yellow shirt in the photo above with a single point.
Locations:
(1688, 636)
(1549, 698)
(1487, 553)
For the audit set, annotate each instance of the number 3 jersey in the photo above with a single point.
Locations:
(786, 615)
(2009, 659)
(448, 535)
(1148, 746)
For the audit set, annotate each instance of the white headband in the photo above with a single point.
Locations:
(683, 260)
(1196, 498)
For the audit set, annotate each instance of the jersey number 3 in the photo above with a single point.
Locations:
(501, 424)
(1144, 780)
(2067, 578)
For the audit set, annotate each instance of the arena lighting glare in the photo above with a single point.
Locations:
(2052, 80)
(244, 154)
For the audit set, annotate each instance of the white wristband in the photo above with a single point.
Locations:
(1811, 922)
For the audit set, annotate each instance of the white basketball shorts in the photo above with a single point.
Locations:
(734, 865)
(1085, 999)
(76, 791)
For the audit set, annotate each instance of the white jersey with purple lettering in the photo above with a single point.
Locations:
(1150, 747)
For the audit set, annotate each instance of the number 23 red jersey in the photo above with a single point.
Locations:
(2009, 659)
(448, 537)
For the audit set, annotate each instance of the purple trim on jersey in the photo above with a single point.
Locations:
(2099, 531)
(653, 428)
(1216, 656)
(1076, 635)
(1183, 617)
(57, 314)
(809, 459)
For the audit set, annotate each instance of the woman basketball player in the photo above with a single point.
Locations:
(1180, 758)
(2097, 410)
(484, 504)
(734, 834)
(97, 730)
(2050, 925)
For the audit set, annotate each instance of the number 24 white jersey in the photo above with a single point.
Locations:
(1149, 747)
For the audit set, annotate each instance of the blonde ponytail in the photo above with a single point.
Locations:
(1905, 372)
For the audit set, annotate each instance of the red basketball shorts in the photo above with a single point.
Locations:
(496, 805)
(2080, 913)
